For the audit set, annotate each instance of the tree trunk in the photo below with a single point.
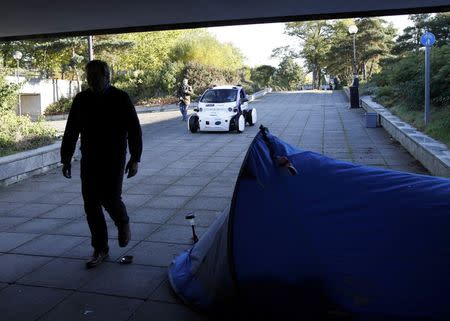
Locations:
(370, 69)
(319, 77)
(364, 70)
(77, 78)
(314, 78)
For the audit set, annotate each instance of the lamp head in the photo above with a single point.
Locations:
(352, 29)
(190, 217)
(17, 55)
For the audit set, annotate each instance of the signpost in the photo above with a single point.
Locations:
(427, 40)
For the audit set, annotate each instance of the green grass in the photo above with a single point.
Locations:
(439, 126)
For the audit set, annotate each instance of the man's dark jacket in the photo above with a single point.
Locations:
(106, 121)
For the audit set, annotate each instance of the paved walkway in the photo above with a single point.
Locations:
(44, 238)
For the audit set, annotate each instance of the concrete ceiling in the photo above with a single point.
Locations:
(38, 18)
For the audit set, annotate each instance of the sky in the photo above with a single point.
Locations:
(257, 41)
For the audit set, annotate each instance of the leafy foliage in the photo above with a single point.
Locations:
(313, 36)
(18, 133)
(400, 85)
(262, 76)
(289, 75)
(438, 24)
(62, 106)
(402, 80)
(199, 46)
(201, 77)
(8, 95)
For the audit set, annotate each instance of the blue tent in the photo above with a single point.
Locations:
(308, 237)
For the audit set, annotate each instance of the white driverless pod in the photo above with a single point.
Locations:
(222, 108)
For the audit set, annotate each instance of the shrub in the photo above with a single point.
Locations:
(59, 107)
(201, 77)
(8, 95)
(157, 101)
(149, 87)
(19, 133)
(402, 80)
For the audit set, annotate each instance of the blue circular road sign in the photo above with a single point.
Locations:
(427, 39)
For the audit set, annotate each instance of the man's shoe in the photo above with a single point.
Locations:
(124, 234)
(97, 258)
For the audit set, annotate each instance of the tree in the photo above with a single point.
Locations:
(374, 40)
(313, 36)
(262, 76)
(59, 56)
(149, 52)
(289, 75)
(7, 49)
(410, 39)
(109, 47)
(199, 46)
(8, 95)
(439, 25)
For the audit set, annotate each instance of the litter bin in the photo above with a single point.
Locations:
(372, 120)
(354, 97)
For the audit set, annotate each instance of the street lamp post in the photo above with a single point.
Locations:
(354, 94)
(17, 56)
(353, 30)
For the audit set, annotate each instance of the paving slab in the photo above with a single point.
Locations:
(40, 225)
(68, 211)
(135, 200)
(19, 196)
(10, 241)
(131, 281)
(95, 307)
(8, 223)
(203, 218)
(6, 207)
(58, 198)
(194, 180)
(181, 190)
(151, 215)
(168, 202)
(175, 234)
(20, 303)
(49, 245)
(140, 231)
(208, 203)
(84, 251)
(162, 311)
(31, 210)
(54, 274)
(155, 253)
(15, 266)
(165, 293)
(146, 189)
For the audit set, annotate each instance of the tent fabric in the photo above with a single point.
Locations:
(200, 275)
(336, 241)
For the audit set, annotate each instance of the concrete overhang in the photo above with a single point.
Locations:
(42, 18)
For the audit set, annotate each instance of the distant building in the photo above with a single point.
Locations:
(37, 94)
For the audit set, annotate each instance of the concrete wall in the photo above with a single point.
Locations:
(37, 94)
(21, 165)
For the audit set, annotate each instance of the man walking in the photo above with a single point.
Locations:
(184, 98)
(107, 120)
